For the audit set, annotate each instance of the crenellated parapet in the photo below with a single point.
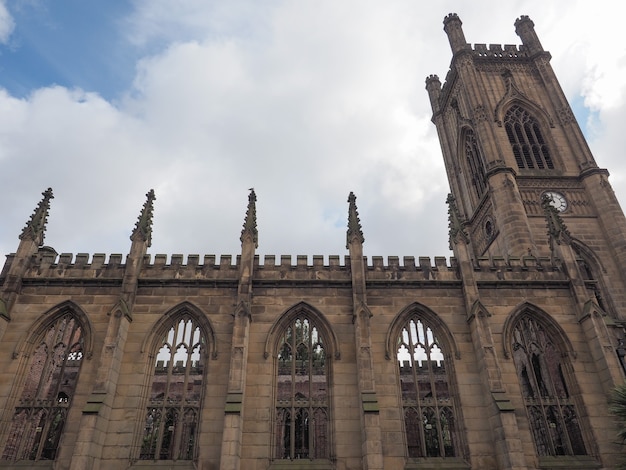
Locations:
(47, 265)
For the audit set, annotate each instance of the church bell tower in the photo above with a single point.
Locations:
(510, 139)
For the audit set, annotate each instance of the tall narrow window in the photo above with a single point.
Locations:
(475, 163)
(524, 133)
(42, 409)
(551, 411)
(173, 412)
(302, 421)
(427, 401)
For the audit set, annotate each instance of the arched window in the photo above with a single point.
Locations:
(427, 400)
(302, 398)
(524, 133)
(45, 400)
(475, 163)
(175, 394)
(542, 374)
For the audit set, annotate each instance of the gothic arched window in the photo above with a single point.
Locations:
(427, 400)
(302, 422)
(542, 374)
(175, 394)
(475, 163)
(49, 387)
(524, 133)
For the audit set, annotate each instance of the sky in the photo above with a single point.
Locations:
(305, 101)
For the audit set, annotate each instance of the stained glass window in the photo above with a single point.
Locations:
(173, 412)
(427, 401)
(551, 411)
(45, 400)
(302, 415)
(524, 133)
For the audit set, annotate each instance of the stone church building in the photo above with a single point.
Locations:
(502, 357)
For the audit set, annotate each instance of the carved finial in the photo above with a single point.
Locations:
(249, 224)
(143, 227)
(455, 224)
(354, 224)
(557, 231)
(36, 226)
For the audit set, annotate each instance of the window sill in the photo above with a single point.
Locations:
(169, 464)
(304, 464)
(569, 462)
(28, 464)
(435, 463)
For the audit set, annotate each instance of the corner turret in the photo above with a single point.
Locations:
(433, 86)
(452, 26)
(525, 29)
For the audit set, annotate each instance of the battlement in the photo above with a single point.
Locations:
(49, 265)
(499, 51)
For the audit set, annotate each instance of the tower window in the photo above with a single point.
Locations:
(427, 401)
(43, 405)
(302, 414)
(475, 163)
(529, 146)
(173, 411)
(551, 411)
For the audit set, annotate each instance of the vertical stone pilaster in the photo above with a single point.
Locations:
(235, 400)
(371, 436)
(97, 411)
(498, 407)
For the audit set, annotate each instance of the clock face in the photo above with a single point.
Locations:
(557, 200)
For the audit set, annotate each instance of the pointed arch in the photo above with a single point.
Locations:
(525, 132)
(513, 96)
(51, 354)
(470, 151)
(423, 349)
(303, 345)
(26, 343)
(178, 347)
(404, 315)
(273, 337)
(542, 317)
(594, 275)
(541, 354)
(161, 326)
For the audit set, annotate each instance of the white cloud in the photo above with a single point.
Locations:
(305, 101)
(7, 24)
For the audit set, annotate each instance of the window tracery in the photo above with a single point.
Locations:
(302, 396)
(427, 400)
(175, 395)
(526, 139)
(40, 416)
(551, 410)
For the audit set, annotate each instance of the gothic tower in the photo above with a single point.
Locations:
(509, 139)
(525, 188)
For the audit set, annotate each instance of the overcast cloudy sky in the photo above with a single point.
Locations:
(303, 100)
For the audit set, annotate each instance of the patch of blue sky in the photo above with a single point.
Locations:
(71, 43)
(586, 117)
